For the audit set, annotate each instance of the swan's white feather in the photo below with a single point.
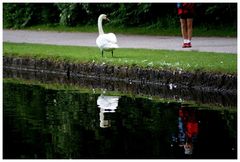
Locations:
(111, 38)
(107, 42)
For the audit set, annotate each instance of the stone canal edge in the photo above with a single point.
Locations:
(224, 83)
(178, 79)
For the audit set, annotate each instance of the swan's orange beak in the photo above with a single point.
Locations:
(107, 19)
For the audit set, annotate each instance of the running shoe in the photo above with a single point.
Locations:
(187, 45)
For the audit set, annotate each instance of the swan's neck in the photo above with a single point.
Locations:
(100, 29)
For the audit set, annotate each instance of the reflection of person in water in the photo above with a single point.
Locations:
(187, 130)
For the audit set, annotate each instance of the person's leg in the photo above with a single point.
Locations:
(184, 28)
(189, 29)
(184, 32)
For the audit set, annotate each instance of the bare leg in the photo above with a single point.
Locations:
(189, 29)
(112, 53)
(184, 28)
(102, 53)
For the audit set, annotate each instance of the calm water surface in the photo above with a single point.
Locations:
(42, 123)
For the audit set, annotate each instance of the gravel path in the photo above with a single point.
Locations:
(205, 44)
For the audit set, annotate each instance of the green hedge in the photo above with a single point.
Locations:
(163, 15)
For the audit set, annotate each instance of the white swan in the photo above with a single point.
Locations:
(106, 42)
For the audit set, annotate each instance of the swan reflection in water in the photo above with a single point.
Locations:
(107, 104)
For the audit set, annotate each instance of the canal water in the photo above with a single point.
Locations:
(44, 123)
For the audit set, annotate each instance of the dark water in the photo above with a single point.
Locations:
(43, 123)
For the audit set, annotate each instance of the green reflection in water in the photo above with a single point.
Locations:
(44, 123)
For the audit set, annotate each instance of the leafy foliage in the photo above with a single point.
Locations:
(17, 15)
(26, 14)
(70, 13)
(152, 15)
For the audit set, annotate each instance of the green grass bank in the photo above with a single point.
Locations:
(201, 31)
(190, 61)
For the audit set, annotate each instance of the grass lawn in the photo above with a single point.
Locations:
(173, 31)
(159, 59)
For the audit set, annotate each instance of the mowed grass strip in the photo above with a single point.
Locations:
(208, 31)
(191, 61)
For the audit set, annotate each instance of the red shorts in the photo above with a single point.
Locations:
(186, 11)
